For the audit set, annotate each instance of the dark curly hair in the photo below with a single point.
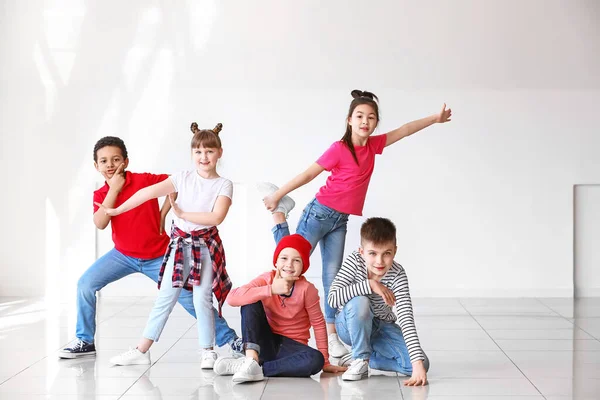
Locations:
(110, 141)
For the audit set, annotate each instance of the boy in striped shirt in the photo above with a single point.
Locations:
(367, 290)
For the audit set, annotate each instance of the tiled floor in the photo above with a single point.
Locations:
(522, 349)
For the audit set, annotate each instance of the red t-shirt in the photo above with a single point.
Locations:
(136, 232)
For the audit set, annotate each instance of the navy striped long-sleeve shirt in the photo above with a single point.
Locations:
(352, 280)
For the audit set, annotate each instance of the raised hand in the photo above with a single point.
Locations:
(444, 115)
(117, 181)
(380, 289)
(282, 285)
(271, 202)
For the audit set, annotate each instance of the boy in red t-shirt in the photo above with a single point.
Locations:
(140, 243)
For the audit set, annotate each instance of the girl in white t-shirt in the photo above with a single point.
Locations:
(198, 260)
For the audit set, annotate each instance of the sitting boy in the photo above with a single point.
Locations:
(278, 309)
(367, 289)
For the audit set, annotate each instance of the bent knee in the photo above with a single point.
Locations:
(359, 307)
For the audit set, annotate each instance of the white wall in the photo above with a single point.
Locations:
(484, 205)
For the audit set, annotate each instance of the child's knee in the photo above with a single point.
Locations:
(317, 361)
(85, 285)
(359, 307)
(250, 309)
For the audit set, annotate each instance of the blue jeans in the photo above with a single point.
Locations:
(279, 355)
(327, 227)
(371, 338)
(113, 266)
(201, 296)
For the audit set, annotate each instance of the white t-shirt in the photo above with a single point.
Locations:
(197, 194)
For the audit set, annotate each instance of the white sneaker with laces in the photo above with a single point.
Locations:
(208, 359)
(336, 347)
(131, 357)
(228, 365)
(286, 204)
(249, 371)
(358, 370)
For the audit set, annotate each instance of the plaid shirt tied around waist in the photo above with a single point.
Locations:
(221, 284)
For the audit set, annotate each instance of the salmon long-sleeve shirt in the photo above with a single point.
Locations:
(288, 316)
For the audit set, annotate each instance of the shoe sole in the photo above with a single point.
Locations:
(248, 378)
(133, 363)
(355, 377)
(76, 355)
(207, 366)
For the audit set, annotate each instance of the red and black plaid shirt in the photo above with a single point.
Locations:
(221, 283)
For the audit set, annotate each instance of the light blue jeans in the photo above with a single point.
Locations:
(113, 266)
(201, 297)
(327, 227)
(372, 338)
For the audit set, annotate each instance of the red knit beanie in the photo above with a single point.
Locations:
(297, 242)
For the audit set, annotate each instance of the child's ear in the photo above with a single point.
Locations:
(126, 162)
(361, 251)
(96, 165)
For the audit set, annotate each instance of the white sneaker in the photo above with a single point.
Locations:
(336, 347)
(131, 357)
(228, 365)
(208, 359)
(286, 204)
(357, 370)
(249, 371)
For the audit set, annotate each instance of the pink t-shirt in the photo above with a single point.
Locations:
(346, 188)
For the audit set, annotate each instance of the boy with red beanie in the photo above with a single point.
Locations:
(278, 308)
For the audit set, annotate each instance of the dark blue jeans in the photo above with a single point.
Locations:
(279, 355)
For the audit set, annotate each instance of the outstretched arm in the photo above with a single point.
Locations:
(420, 124)
(300, 180)
(141, 196)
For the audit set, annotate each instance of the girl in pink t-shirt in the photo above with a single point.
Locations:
(351, 161)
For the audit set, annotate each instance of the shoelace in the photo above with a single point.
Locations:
(233, 367)
(131, 351)
(78, 345)
(356, 364)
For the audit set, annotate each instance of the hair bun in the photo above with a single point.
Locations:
(356, 93)
(363, 93)
(194, 127)
(218, 128)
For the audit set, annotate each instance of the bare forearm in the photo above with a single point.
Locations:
(166, 207)
(300, 180)
(410, 128)
(203, 218)
(101, 220)
(151, 192)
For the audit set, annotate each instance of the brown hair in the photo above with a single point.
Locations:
(360, 97)
(206, 137)
(378, 231)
